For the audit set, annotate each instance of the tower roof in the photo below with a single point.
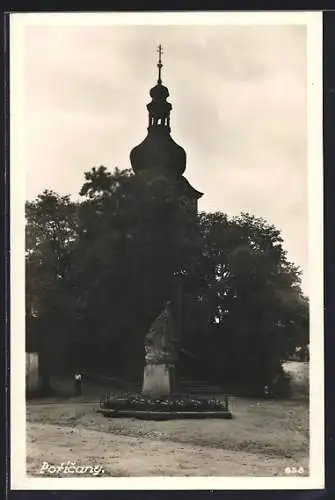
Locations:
(159, 152)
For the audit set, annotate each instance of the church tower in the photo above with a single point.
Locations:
(159, 155)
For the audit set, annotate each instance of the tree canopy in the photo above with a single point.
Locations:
(99, 271)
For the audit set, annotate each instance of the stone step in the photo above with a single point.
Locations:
(201, 383)
(199, 388)
(210, 390)
(195, 382)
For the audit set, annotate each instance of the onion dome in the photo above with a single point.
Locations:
(159, 92)
(159, 153)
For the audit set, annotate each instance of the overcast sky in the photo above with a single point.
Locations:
(239, 110)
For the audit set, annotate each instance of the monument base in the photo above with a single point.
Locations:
(158, 380)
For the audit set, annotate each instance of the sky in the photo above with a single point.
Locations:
(239, 97)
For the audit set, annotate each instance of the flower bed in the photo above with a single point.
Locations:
(168, 404)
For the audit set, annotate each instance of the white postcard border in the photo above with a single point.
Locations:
(19, 479)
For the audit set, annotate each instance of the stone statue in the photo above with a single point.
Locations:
(161, 355)
(160, 342)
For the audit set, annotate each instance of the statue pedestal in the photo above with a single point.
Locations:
(158, 380)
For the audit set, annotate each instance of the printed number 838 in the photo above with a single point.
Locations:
(294, 470)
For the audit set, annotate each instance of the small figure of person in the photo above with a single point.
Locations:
(78, 381)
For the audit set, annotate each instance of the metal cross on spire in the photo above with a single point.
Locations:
(159, 65)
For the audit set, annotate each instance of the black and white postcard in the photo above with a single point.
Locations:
(166, 251)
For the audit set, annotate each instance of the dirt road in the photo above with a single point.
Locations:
(262, 440)
(129, 456)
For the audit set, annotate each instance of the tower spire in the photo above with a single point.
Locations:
(159, 65)
(159, 155)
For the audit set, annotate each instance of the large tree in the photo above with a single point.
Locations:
(248, 308)
(51, 232)
(133, 242)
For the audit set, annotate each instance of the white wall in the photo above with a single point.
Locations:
(31, 370)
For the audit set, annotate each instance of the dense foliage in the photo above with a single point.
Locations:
(99, 271)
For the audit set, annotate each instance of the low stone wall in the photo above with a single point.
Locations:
(299, 373)
(32, 377)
